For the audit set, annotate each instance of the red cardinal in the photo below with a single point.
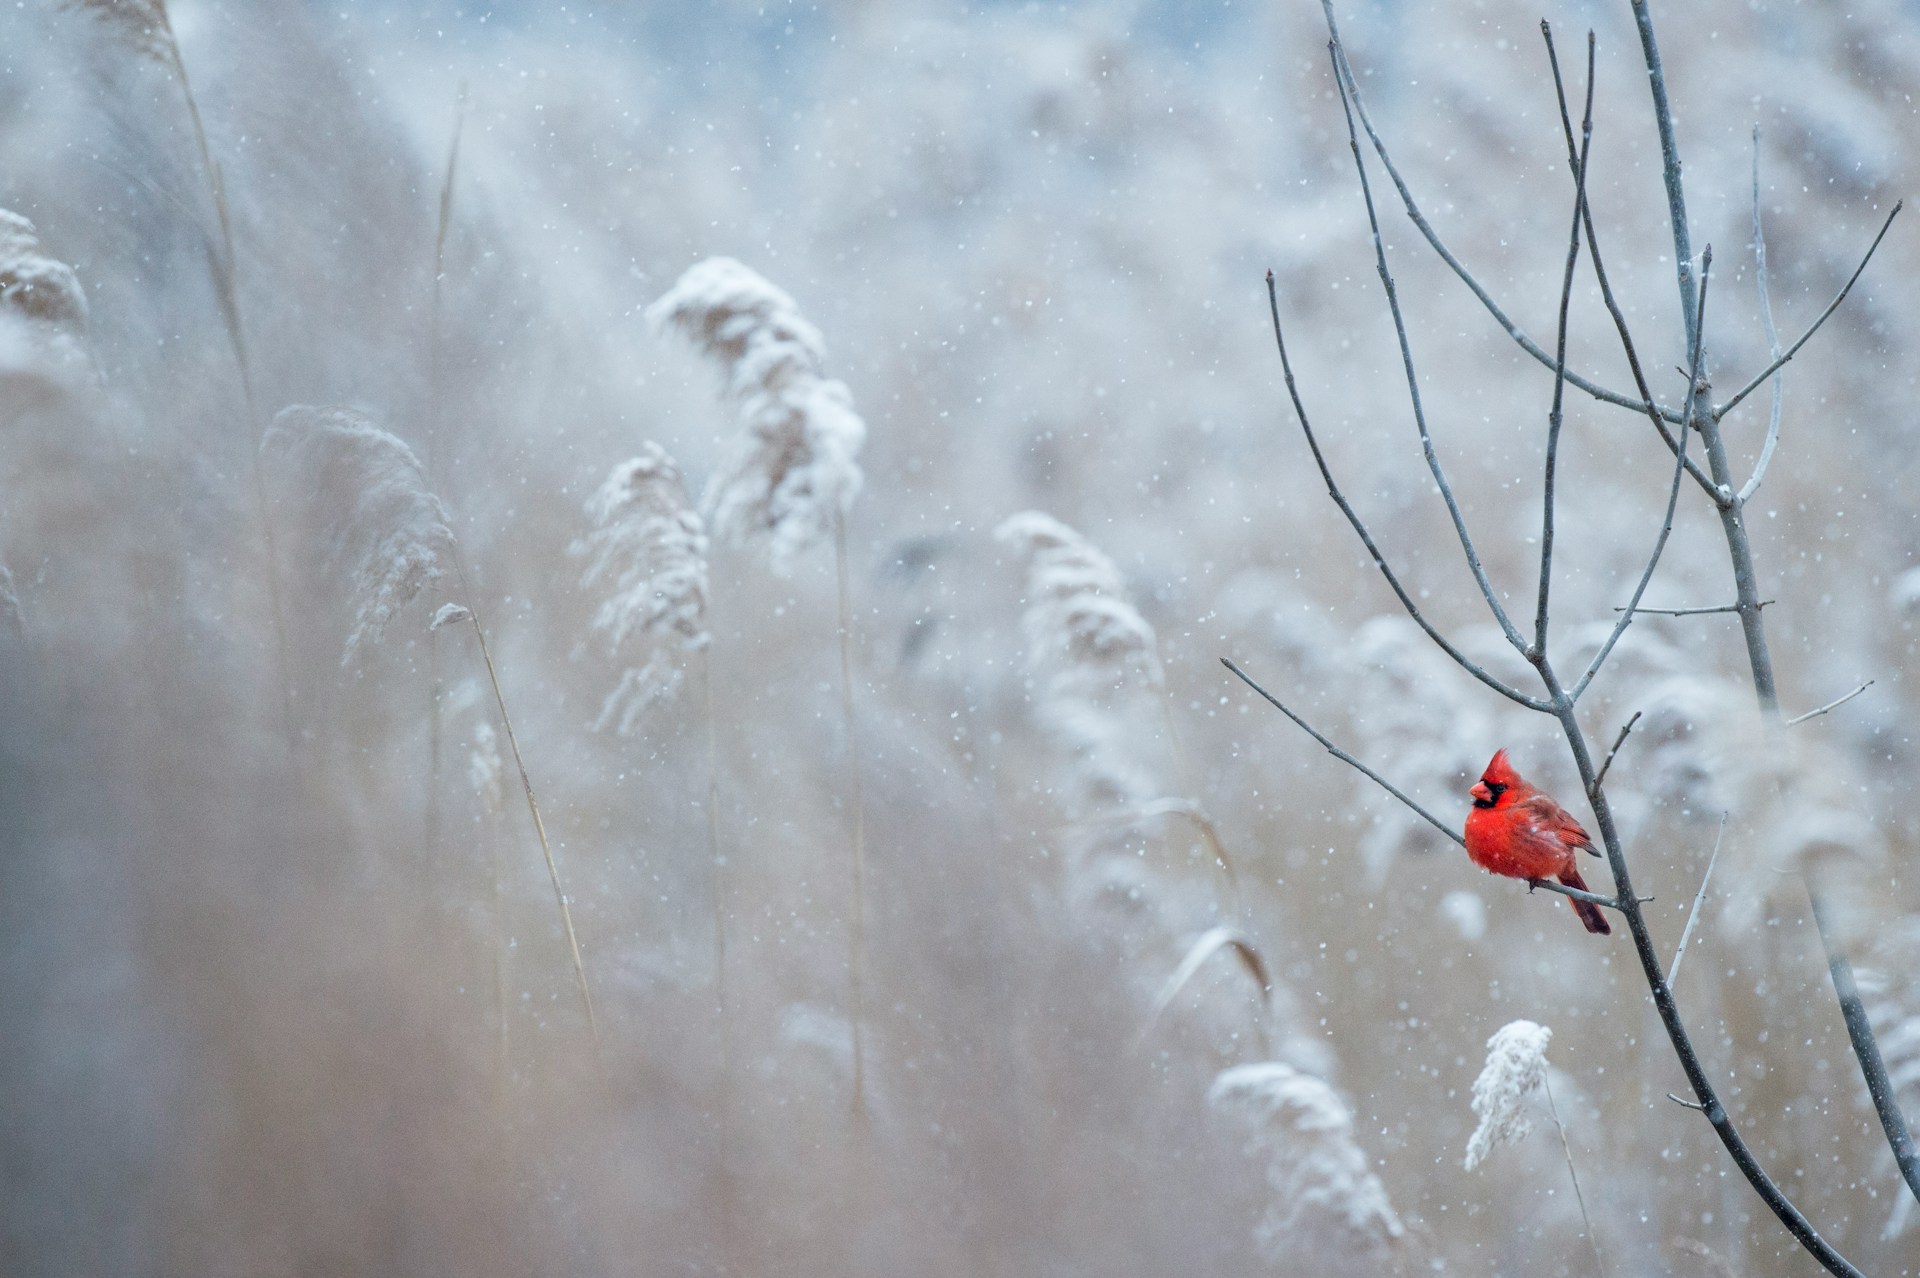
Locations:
(1517, 831)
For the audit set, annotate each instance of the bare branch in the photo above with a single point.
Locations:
(1860, 1032)
(1413, 380)
(1693, 612)
(1694, 1105)
(1673, 492)
(1601, 776)
(1840, 701)
(1813, 328)
(1773, 335)
(1360, 527)
(1344, 757)
(1419, 220)
(1658, 416)
(1699, 898)
(1578, 894)
(1748, 593)
(1554, 415)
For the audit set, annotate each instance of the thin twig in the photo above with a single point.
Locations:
(1601, 777)
(1773, 335)
(1439, 247)
(1681, 1100)
(1813, 328)
(1413, 381)
(1555, 415)
(858, 928)
(1838, 701)
(1699, 898)
(1344, 757)
(1360, 527)
(1658, 416)
(1578, 894)
(1673, 496)
(526, 785)
(1578, 1197)
(1693, 612)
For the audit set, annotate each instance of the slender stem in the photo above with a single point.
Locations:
(1691, 612)
(1666, 524)
(1658, 416)
(1413, 381)
(723, 1081)
(221, 261)
(1837, 701)
(1813, 328)
(1555, 414)
(1360, 527)
(431, 421)
(1752, 485)
(441, 228)
(1867, 1048)
(533, 807)
(1600, 778)
(1344, 757)
(1439, 247)
(858, 924)
(1699, 898)
(1547, 1086)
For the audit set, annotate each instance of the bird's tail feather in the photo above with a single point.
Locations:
(1589, 913)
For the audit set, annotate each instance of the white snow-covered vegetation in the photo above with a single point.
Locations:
(708, 754)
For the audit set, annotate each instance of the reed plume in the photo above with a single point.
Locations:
(648, 549)
(1516, 1067)
(381, 529)
(1091, 657)
(384, 533)
(35, 285)
(788, 485)
(796, 469)
(1323, 1194)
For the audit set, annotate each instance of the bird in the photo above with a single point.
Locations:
(1516, 830)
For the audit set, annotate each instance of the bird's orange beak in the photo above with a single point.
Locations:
(1481, 792)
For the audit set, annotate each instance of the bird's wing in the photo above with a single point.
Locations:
(1550, 818)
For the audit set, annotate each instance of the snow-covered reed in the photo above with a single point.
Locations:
(1324, 1197)
(1516, 1068)
(33, 284)
(1091, 656)
(796, 470)
(142, 25)
(648, 550)
(363, 493)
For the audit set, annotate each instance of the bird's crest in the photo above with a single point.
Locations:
(1499, 771)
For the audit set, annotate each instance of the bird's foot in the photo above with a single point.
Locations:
(1531, 885)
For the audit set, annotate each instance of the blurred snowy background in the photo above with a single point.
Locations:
(273, 1006)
